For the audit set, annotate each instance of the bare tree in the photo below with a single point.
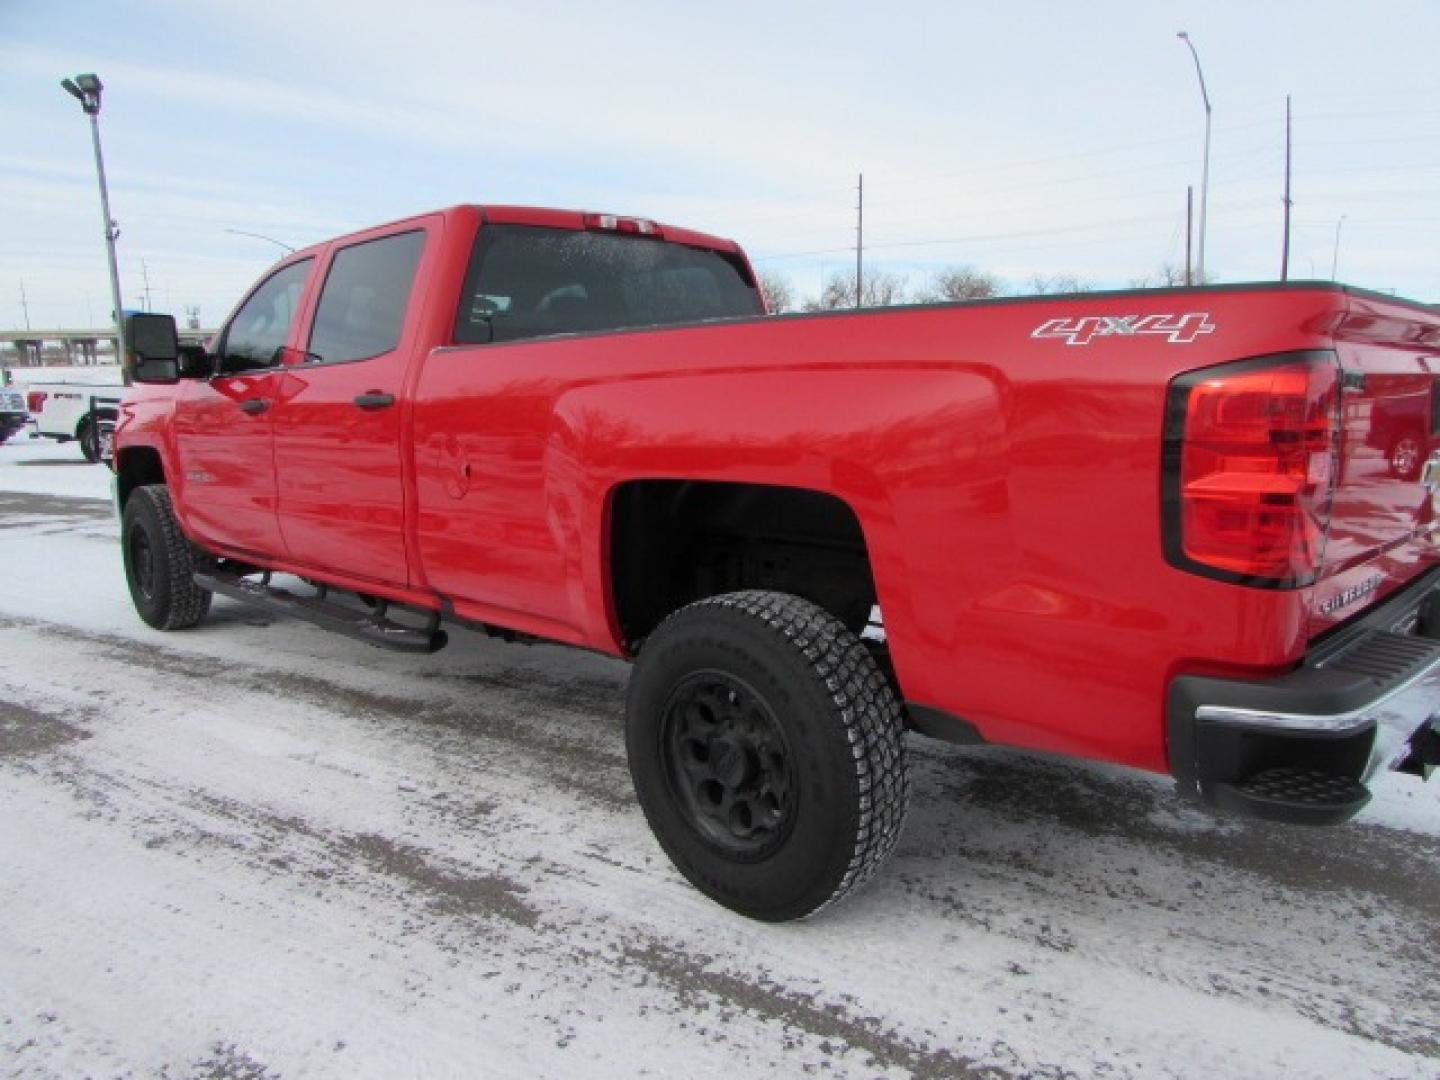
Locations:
(779, 294)
(961, 283)
(1166, 276)
(881, 290)
(1043, 284)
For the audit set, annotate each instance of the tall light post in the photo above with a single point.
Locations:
(86, 89)
(262, 236)
(1205, 171)
(1335, 259)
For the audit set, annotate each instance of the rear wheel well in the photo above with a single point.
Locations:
(135, 466)
(673, 542)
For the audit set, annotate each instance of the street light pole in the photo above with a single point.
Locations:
(1205, 170)
(86, 89)
(1335, 259)
(262, 236)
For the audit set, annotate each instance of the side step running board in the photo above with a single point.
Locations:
(370, 627)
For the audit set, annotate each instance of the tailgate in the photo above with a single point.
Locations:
(1383, 517)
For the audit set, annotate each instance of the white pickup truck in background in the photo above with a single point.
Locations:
(77, 405)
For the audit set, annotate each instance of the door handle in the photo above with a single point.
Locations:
(254, 406)
(374, 400)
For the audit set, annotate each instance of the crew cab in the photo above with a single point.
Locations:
(1161, 528)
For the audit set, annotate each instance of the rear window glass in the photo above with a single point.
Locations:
(526, 281)
(362, 307)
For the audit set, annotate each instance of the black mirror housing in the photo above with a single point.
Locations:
(152, 347)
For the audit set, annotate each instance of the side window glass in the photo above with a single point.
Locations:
(262, 324)
(362, 306)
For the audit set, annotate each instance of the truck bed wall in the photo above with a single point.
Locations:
(1007, 486)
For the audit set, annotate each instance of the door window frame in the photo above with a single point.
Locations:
(417, 306)
(301, 307)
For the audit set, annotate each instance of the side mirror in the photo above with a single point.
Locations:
(152, 347)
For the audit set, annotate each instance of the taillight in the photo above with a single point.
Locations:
(35, 400)
(1250, 466)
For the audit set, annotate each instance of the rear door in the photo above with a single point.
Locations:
(223, 431)
(340, 405)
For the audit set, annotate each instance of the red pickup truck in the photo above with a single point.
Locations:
(1160, 528)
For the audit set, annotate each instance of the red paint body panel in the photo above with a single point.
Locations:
(340, 471)
(1008, 487)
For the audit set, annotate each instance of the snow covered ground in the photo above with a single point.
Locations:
(255, 850)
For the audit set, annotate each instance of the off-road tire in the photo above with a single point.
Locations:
(159, 564)
(820, 693)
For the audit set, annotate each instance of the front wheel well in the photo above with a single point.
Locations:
(135, 466)
(673, 542)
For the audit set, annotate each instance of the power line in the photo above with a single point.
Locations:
(974, 238)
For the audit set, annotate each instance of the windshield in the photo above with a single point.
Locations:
(526, 281)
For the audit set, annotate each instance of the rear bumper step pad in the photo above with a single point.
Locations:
(1299, 796)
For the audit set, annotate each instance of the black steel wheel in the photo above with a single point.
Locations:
(728, 764)
(140, 556)
(159, 565)
(768, 753)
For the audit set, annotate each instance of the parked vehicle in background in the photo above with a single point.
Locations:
(76, 411)
(1163, 528)
(13, 415)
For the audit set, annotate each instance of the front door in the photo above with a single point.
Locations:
(224, 439)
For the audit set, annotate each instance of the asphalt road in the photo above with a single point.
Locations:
(256, 850)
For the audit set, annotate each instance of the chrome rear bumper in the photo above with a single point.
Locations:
(1367, 700)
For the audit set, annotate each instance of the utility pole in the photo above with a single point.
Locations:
(24, 304)
(145, 275)
(1205, 170)
(860, 240)
(1335, 259)
(1285, 248)
(1189, 229)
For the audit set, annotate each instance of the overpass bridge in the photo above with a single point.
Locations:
(80, 347)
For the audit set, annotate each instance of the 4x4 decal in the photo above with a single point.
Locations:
(1082, 329)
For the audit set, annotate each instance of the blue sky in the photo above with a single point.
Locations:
(1024, 138)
